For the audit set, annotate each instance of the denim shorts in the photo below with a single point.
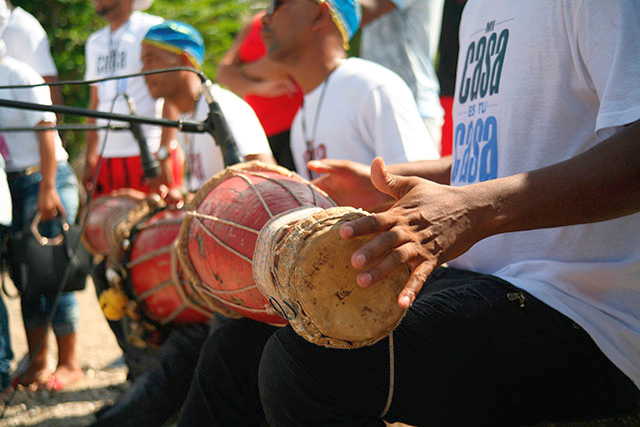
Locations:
(24, 196)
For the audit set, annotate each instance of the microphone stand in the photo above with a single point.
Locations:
(150, 166)
(218, 127)
(182, 125)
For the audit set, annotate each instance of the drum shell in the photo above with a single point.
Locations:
(154, 275)
(105, 214)
(218, 237)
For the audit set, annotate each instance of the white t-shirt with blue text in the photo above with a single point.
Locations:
(539, 82)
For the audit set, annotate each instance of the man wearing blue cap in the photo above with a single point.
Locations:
(173, 44)
(353, 109)
(158, 394)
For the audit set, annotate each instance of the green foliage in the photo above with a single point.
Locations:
(69, 23)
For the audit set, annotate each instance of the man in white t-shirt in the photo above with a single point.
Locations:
(157, 396)
(536, 318)
(402, 35)
(174, 44)
(111, 51)
(27, 42)
(353, 109)
(40, 180)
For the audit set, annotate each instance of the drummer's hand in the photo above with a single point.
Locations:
(88, 177)
(49, 204)
(428, 225)
(172, 196)
(348, 183)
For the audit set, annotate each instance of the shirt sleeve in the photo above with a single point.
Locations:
(43, 62)
(38, 95)
(392, 124)
(608, 44)
(89, 61)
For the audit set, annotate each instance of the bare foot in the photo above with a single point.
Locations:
(63, 377)
(34, 377)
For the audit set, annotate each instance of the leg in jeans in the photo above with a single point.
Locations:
(158, 393)
(224, 390)
(473, 350)
(6, 355)
(38, 310)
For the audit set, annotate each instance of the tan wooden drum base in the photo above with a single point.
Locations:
(304, 268)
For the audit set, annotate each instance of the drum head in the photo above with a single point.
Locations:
(316, 284)
(218, 237)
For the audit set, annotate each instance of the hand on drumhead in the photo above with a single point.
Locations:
(429, 224)
(348, 183)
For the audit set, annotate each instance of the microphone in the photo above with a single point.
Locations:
(150, 166)
(218, 127)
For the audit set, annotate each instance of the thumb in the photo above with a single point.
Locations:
(395, 186)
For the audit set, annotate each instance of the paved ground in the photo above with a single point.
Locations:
(100, 359)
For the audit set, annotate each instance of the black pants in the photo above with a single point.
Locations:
(472, 351)
(157, 395)
(224, 390)
(138, 360)
(281, 148)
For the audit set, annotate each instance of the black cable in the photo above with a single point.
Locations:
(200, 74)
(78, 127)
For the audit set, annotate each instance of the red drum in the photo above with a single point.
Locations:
(219, 234)
(105, 215)
(154, 276)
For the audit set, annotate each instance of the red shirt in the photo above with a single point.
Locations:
(275, 114)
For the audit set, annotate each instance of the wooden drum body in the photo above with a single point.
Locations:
(303, 266)
(154, 276)
(219, 234)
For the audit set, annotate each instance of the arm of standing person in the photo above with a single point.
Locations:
(431, 224)
(262, 77)
(91, 155)
(49, 204)
(56, 93)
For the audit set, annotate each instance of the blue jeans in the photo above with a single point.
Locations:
(6, 355)
(24, 196)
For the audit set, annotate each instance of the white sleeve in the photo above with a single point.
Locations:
(244, 125)
(89, 61)
(38, 95)
(608, 42)
(43, 62)
(393, 126)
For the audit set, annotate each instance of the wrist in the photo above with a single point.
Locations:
(46, 185)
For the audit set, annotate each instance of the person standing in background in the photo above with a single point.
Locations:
(110, 51)
(27, 41)
(272, 94)
(402, 35)
(40, 181)
(6, 354)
